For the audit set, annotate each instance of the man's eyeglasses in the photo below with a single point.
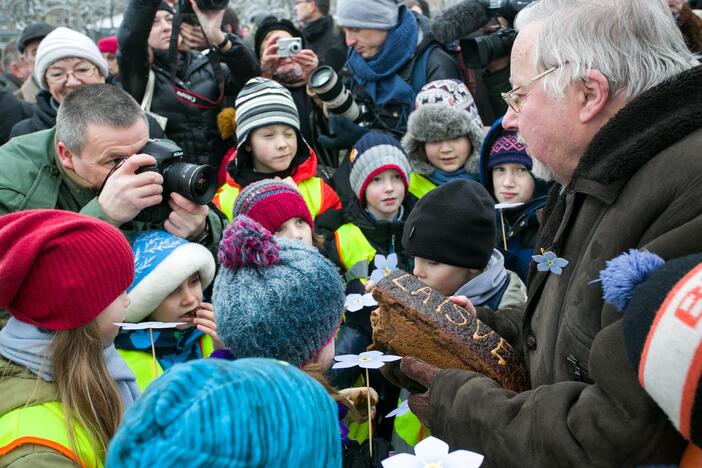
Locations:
(81, 73)
(512, 98)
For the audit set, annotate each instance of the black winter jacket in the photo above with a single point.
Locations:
(193, 129)
(12, 111)
(323, 36)
(44, 117)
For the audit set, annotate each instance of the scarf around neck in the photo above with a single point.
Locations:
(172, 345)
(30, 347)
(440, 177)
(379, 76)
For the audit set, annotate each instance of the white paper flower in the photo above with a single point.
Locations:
(147, 325)
(367, 360)
(506, 206)
(356, 302)
(434, 453)
(384, 266)
(400, 410)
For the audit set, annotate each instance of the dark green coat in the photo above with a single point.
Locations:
(639, 185)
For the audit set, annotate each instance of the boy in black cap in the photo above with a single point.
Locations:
(451, 235)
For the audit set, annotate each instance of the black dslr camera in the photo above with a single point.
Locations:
(184, 5)
(196, 183)
(480, 50)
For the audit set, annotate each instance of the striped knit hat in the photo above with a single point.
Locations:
(662, 304)
(248, 413)
(507, 149)
(374, 153)
(263, 102)
(271, 203)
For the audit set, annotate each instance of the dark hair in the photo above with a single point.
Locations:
(322, 6)
(103, 104)
(231, 19)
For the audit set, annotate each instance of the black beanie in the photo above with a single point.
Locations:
(453, 224)
(272, 23)
(663, 333)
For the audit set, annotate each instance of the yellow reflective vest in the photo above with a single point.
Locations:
(354, 250)
(146, 369)
(420, 185)
(45, 424)
(410, 429)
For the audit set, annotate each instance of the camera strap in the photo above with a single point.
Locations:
(189, 97)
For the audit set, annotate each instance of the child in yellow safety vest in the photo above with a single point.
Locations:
(279, 298)
(370, 224)
(170, 276)
(63, 385)
(270, 146)
(444, 136)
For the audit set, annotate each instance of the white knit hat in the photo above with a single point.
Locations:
(63, 43)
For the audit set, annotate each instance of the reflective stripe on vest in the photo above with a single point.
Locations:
(420, 185)
(45, 424)
(310, 189)
(142, 364)
(410, 429)
(353, 248)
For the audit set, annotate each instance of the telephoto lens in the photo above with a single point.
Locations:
(325, 83)
(196, 183)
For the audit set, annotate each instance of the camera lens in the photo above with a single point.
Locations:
(196, 183)
(294, 47)
(321, 77)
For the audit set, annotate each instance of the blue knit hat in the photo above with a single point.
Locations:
(274, 297)
(246, 413)
(507, 149)
(162, 262)
(372, 154)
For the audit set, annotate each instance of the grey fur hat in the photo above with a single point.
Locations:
(437, 122)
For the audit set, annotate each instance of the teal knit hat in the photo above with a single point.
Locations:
(274, 297)
(246, 413)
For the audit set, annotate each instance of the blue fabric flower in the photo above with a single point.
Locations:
(549, 261)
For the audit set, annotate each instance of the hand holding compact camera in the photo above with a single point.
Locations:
(288, 47)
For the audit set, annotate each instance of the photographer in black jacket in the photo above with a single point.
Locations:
(187, 88)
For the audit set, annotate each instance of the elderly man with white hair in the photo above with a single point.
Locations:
(606, 96)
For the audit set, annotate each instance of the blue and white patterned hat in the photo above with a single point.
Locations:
(162, 262)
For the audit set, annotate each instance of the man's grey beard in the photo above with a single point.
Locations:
(539, 170)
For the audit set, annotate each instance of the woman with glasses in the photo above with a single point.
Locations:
(66, 60)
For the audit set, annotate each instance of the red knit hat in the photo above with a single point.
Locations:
(58, 269)
(271, 203)
(108, 45)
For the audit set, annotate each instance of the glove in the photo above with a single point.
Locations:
(346, 134)
(422, 373)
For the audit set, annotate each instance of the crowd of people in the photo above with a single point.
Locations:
(187, 208)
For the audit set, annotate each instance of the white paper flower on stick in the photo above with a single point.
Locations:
(356, 302)
(366, 360)
(400, 410)
(147, 325)
(434, 453)
(384, 266)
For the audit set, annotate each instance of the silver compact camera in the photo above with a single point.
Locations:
(289, 47)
